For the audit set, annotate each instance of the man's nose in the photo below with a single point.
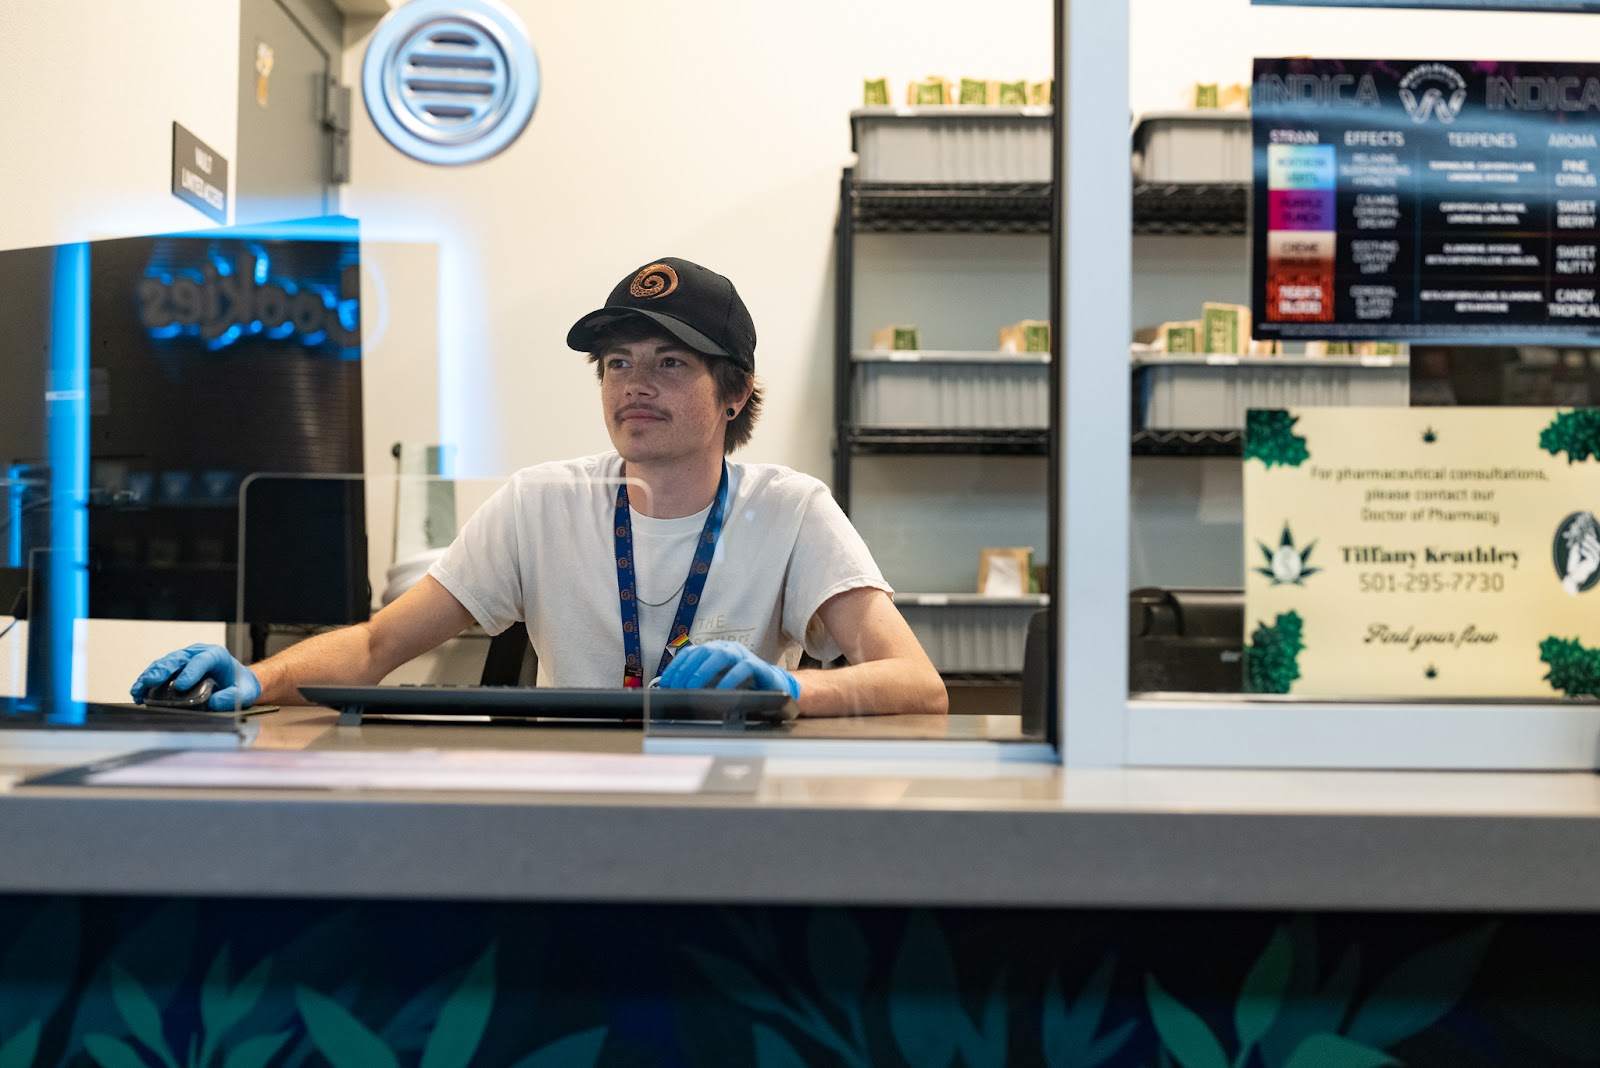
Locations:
(640, 380)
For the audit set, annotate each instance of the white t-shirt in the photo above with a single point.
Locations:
(542, 549)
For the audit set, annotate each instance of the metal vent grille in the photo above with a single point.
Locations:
(450, 81)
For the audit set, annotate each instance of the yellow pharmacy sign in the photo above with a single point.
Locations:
(1423, 552)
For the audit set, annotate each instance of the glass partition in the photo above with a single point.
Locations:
(161, 383)
(145, 377)
(223, 388)
(319, 552)
(544, 567)
(942, 401)
(1361, 377)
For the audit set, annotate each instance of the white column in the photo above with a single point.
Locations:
(1097, 215)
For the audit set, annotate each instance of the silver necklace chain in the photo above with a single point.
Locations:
(670, 596)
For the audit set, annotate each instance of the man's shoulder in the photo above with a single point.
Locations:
(779, 478)
(777, 484)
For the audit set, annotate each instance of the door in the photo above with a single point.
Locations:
(287, 50)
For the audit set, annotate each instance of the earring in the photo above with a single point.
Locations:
(732, 412)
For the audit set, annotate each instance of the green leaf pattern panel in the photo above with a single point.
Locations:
(375, 986)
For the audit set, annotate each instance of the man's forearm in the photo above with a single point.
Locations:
(894, 685)
(339, 657)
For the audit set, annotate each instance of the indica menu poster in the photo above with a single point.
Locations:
(1445, 200)
(1423, 552)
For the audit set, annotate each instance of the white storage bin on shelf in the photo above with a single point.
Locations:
(952, 389)
(956, 143)
(1192, 146)
(1210, 392)
(969, 632)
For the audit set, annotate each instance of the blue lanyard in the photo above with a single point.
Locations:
(693, 586)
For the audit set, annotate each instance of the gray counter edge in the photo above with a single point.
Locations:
(738, 853)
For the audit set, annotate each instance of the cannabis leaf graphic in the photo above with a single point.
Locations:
(1271, 659)
(1576, 433)
(1286, 565)
(1574, 668)
(1282, 1018)
(1269, 437)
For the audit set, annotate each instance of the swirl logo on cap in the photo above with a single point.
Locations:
(656, 280)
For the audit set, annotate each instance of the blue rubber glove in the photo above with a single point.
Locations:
(725, 665)
(237, 685)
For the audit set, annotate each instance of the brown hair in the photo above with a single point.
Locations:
(730, 378)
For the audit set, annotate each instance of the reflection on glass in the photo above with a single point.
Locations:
(145, 378)
(544, 612)
(1517, 376)
(941, 459)
(45, 486)
(1188, 626)
(174, 454)
(1437, 540)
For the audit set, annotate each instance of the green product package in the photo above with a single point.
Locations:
(900, 338)
(1181, 337)
(1221, 327)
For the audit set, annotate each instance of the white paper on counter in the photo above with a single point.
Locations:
(417, 769)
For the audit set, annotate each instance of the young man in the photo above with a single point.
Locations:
(657, 563)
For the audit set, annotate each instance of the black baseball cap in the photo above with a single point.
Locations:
(694, 304)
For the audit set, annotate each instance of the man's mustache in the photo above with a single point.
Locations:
(625, 409)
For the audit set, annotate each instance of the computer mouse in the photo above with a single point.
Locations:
(165, 696)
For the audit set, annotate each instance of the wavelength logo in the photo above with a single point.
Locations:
(1433, 89)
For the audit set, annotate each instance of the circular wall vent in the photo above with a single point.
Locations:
(450, 81)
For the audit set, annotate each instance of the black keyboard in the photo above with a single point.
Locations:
(725, 708)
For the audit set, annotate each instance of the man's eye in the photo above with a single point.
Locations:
(671, 361)
(615, 364)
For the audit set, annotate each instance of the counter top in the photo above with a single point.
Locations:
(856, 830)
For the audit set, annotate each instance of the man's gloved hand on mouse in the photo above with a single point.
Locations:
(237, 685)
(725, 665)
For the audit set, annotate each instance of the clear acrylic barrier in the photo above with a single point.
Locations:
(141, 512)
(1332, 631)
(316, 553)
(540, 550)
(125, 432)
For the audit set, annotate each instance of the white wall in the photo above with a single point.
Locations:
(1178, 42)
(91, 89)
(711, 129)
